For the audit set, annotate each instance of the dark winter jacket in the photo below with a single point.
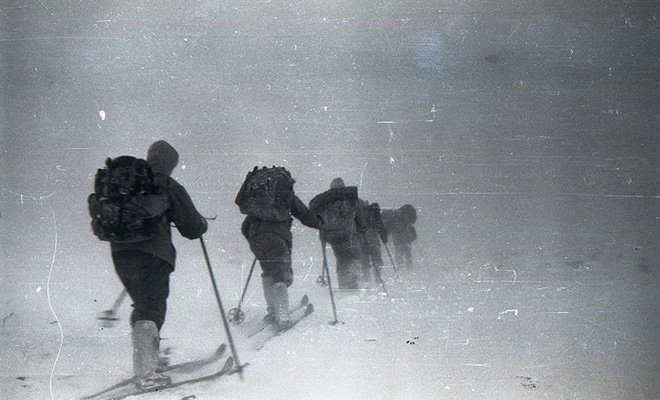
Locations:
(253, 226)
(400, 224)
(182, 212)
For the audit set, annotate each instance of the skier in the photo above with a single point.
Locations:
(400, 224)
(268, 199)
(144, 266)
(341, 220)
(375, 232)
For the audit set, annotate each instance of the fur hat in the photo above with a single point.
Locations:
(337, 183)
(162, 157)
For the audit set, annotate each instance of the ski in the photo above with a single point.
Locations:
(188, 366)
(272, 331)
(263, 324)
(127, 391)
(184, 367)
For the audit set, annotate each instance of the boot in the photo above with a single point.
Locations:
(270, 317)
(146, 340)
(281, 298)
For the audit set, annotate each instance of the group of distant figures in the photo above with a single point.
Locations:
(352, 227)
(136, 202)
(356, 243)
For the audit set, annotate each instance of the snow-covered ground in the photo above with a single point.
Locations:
(537, 306)
(524, 132)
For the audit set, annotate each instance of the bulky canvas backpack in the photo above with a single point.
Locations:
(267, 194)
(127, 205)
(336, 210)
(338, 216)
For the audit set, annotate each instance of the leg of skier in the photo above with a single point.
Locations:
(146, 339)
(267, 283)
(146, 279)
(274, 255)
(281, 296)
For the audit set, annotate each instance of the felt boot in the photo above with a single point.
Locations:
(281, 303)
(146, 338)
(270, 317)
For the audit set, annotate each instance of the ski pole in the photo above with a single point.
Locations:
(235, 314)
(378, 276)
(117, 303)
(321, 279)
(239, 367)
(365, 252)
(327, 274)
(109, 316)
(392, 260)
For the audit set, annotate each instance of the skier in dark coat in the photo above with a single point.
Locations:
(400, 224)
(271, 242)
(144, 268)
(341, 222)
(371, 256)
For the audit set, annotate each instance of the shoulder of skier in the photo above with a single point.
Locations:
(189, 222)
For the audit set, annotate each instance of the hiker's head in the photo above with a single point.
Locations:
(337, 183)
(409, 213)
(162, 157)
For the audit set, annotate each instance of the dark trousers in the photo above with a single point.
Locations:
(274, 255)
(147, 280)
(346, 249)
(370, 252)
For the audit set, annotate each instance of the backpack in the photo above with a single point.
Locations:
(127, 206)
(408, 214)
(336, 211)
(267, 194)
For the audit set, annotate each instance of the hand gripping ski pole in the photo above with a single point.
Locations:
(235, 315)
(239, 366)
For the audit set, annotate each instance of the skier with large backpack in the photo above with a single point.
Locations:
(399, 223)
(268, 200)
(342, 222)
(133, 204)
